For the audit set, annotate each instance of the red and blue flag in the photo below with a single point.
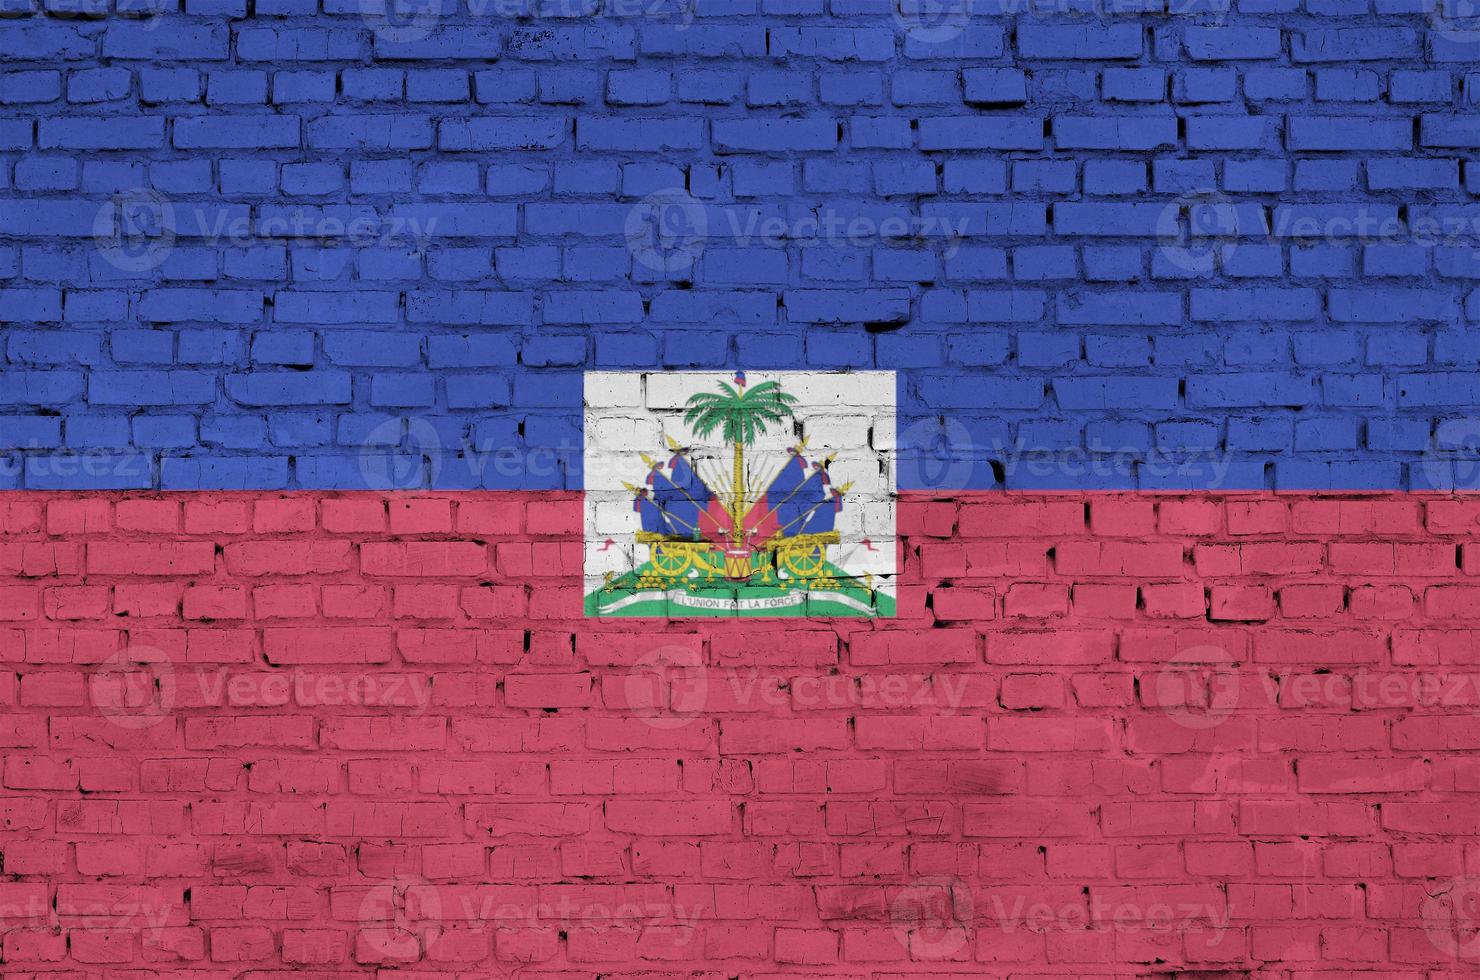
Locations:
(639, 491)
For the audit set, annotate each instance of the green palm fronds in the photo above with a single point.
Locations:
(739, 415)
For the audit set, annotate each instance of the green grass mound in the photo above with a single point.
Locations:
(645, 593)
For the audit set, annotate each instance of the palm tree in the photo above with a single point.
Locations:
(740, 416)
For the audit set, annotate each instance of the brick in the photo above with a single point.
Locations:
(970, 133)
(266, 133)
(249, 266)
(1344, 133)
(142, 133)
(1062, 41)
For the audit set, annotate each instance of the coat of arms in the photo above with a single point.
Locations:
(732, 508)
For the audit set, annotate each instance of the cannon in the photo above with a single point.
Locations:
(802, 556)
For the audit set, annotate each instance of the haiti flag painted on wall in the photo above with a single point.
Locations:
(657, 490)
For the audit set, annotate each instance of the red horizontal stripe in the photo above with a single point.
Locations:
(295, 731)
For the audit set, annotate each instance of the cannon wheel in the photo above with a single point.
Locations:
(672, 559)
(804, 562)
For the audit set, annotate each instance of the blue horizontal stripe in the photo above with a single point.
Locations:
(293, 245)
(518, 427)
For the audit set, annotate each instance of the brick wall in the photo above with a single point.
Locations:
(239, 242)
(1109, 734)
(284, 245)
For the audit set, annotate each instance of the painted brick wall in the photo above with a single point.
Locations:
(239, 242)
(247, 734)
(248, 247)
